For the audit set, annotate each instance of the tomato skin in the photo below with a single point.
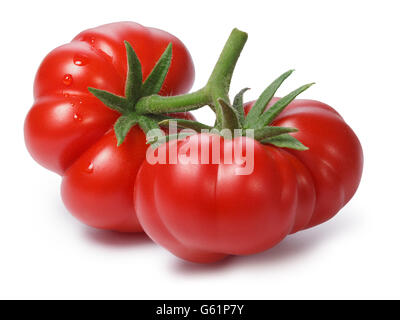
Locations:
(59, 129)
(67, 126)
(149, 44)
(204, 212)
(97, 188)
(95, 58)
(334, 158)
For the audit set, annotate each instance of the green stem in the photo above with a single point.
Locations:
(156, 104)
(220, 79)
(216, 88)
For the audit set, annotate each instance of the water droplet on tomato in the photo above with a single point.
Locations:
(90, 168)
(67, 79)
(80, 60)
(77, 117)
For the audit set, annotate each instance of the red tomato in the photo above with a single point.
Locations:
(334, 158)
(69, 131)
(203, 212)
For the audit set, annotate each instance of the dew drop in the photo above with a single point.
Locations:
(77, 117)
(67, 79)
(80, 60)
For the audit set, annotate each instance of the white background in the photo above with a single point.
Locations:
(350, 48)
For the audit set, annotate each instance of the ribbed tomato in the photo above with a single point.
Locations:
(202, 211)
(69, 131)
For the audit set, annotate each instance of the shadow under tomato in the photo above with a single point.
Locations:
(290, 249)
(116, 239)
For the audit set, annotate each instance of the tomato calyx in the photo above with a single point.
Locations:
(229, 116)
(216, 88)
(258, 119)
(141, 104)
(135, 89)
(144, 107)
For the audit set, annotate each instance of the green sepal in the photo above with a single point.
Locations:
(264, 99)
(187, 124)
(133, 84)
(285, 141)
(123, 125)
(155, 80)
(155, 143)
(230, 118)
(147, 124)
(111, 100)
(238, 105)
(268, 132)
(150, 128)
(267, 117)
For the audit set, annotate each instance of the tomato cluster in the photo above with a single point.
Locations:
(307, 160)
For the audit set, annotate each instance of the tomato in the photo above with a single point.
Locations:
(69, 131)
(334, 158)
(66, 119)
(97, 188)
(203, 212)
